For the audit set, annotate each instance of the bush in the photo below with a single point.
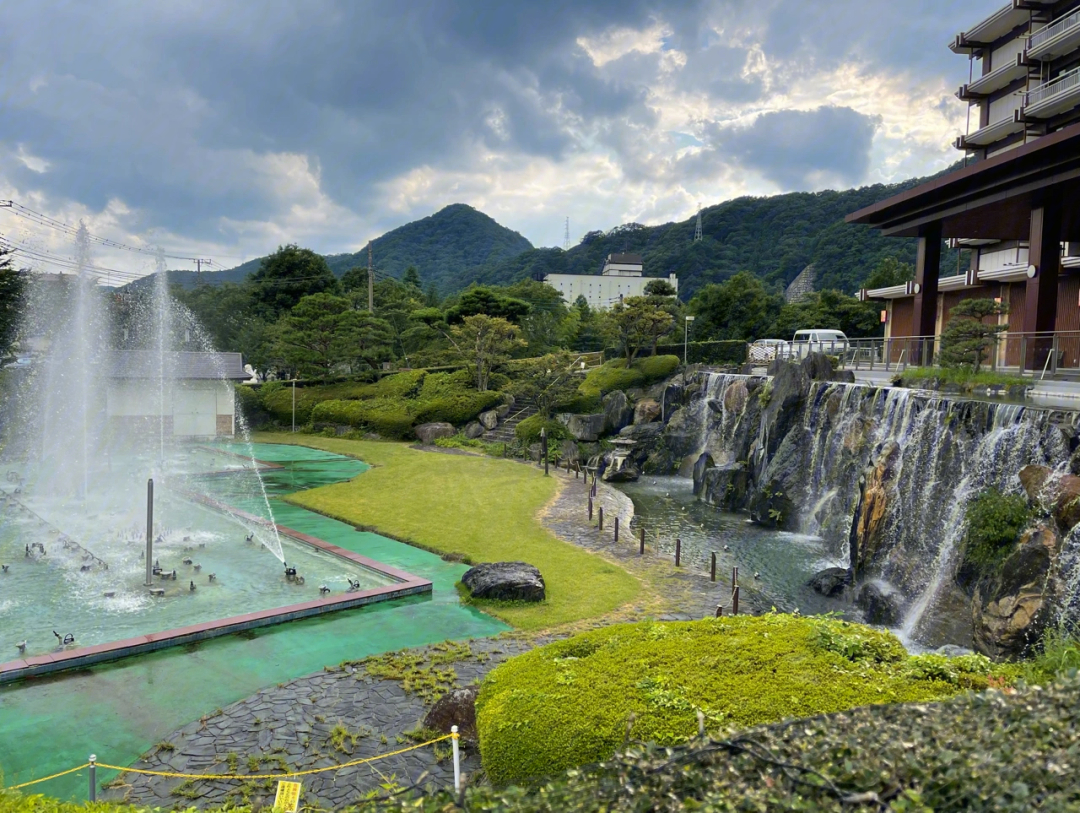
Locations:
(456, 409)
(440, 385)
(398, 385)
(529, 429)
(568, 703)
(459, 441)
(995, 521)
(615, 375)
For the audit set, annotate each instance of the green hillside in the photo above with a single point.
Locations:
(773, 237)
(448, 248)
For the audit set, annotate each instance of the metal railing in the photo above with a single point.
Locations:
(1050, 31)
(1038, 354)
(1067, 81)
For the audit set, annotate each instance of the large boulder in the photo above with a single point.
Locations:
(617, 411)
(642, 431)
(505, 581)
(647, 410)
(584, 427)
(502, 411)
(881, 604)
(428, 433)
(831, 581)
(473, 430)
(490, 419)
(727, 487)
(1060, 493)
(1009, 612)
(455, 708)
(621, 470)
(868, 528)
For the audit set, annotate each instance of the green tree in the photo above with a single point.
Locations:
(483, 300)
(545, 326)
(830, 310)
(637, 323)
(659, 287)
(12, 292)
(319, 333)
(411, 278)
(374, 340)
(889, 272)
(287, 276)
(968, 339)
(355, 279)
(482, 342)
(740, 308)
(585, 327)
(549, 381)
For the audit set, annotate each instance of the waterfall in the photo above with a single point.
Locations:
(934, 454)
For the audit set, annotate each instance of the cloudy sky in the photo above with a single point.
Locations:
(224, 128)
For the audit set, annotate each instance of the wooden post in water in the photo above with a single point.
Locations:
(735, 601)
(712, 567)
(600, 514)
(641, 547)
(678, 553)
(616, 529)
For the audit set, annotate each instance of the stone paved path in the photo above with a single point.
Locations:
(292, 726)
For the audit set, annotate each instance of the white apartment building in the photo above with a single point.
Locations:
(621, 277)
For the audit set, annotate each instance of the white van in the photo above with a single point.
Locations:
(829, 342)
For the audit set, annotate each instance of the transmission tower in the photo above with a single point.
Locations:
(697, 228)
(566, 236)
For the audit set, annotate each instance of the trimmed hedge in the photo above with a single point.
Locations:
(568, 703)
(529, 429)
(615, 375)
(396, 417)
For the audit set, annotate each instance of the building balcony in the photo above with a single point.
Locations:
(991, 134)
(1052, 98)
(994, 81)
(1056, 39)
(996, 26)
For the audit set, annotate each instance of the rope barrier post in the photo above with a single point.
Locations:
(93, 778)
(616, 529)
(457, 758)
(590, 509)
(712, 568)
(600, 513)
(735, 601)
(734, 578)
(641, 546)
(678, 553)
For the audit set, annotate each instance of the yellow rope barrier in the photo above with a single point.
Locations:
(263, 775)
(47, 778)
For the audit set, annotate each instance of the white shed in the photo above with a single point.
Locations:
(192, 393)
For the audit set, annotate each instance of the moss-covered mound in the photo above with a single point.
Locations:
(615, 375)
(573, 702)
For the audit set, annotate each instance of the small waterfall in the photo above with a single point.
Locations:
(718, 419)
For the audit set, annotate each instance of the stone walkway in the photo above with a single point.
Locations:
(358, 710)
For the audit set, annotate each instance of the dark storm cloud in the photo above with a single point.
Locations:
(795, 148)
(169, 106)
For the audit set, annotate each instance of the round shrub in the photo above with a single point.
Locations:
(440, 385)
(995, 521)
(568, 703)
(398, 385)
(529, 429)
(656, 368)
(457, 408)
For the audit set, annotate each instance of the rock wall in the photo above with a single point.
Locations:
(884, 476)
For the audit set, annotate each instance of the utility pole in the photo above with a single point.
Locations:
(370, 281)
(199, 264)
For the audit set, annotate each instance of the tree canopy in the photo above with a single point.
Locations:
(287, 276)
(12, 290)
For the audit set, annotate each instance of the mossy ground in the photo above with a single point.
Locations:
(482, 509)
(575, 701)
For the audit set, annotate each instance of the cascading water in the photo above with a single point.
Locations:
(930, 456)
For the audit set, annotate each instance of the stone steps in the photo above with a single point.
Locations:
(505, 432)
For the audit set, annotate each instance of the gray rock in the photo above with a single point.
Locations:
(505, 581)
(952, 651)
(881, 604)
(622, 471)
(585, 427)
(428, 433)
(474, 429)
(831, 581)
(502, 411)
(457, 707)
(844, 377)
(489, 419)
(568, 450)
(617, 411)
(647, 410)
(642, 431)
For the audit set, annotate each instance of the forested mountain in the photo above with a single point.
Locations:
(448, 248)
(774, 238)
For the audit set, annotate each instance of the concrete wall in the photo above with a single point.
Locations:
(601, 292)
(197, 408)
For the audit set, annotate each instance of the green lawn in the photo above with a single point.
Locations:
(482, 508)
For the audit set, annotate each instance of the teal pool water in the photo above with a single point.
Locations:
(120, 710)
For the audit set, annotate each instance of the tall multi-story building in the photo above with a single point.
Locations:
(621, 277)
(1016, 202)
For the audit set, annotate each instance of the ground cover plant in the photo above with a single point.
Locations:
(480, 508)
(575, 701)
(962, 377)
